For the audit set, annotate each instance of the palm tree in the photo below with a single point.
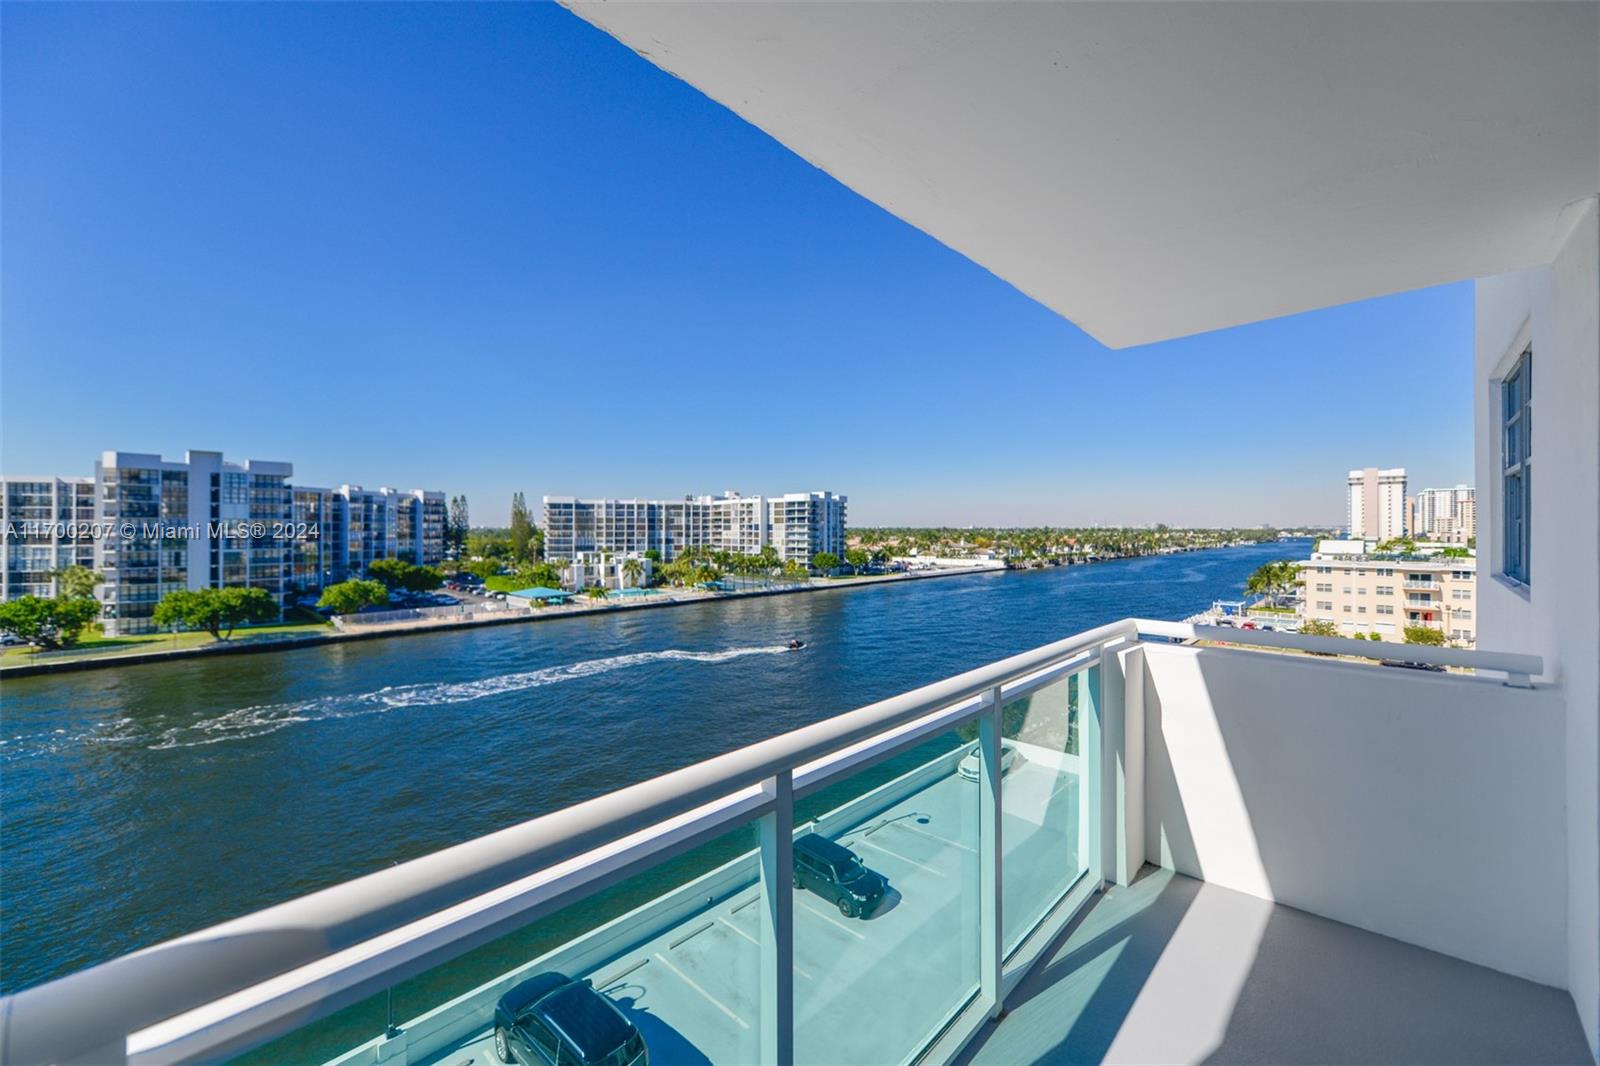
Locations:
(632, 568)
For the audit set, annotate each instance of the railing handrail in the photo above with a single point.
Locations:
(1519, 669)
(131, 993)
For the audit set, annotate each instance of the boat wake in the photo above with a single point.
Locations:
(248, 722)
(260, 720)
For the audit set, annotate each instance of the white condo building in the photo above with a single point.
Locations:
(1376, 508)
(176, 525)
(797, 525)
(48, 524)
(151, 526)
(1446, 514)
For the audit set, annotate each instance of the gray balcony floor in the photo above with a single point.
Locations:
(866, 990)
(1172, 970)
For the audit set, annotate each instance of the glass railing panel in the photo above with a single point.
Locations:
(667, 960)
(886, 911)
(1045, 831)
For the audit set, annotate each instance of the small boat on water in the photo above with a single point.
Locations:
(796, 645)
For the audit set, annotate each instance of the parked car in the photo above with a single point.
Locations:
(838, 875)
(554, 1020)
(970, 767)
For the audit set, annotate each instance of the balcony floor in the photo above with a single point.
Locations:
(864, 987)
(1174, 970)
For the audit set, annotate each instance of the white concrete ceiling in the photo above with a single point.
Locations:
(1150, 170)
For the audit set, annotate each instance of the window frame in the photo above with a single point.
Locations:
(1515, 419)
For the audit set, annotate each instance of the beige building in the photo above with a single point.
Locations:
(1376, 506)
(1373, 594)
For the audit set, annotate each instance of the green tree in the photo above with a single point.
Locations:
(538, 575)
(457, 526)
(595, 592)
(653, 554)
(857, 557)
(1274, 579)
(1319, 627)
(217, 611)
(396, 573)
(76, 582)
(484, 568)
(48, 623)
(390, 571)
(485, 545)
(521, 530)
(422, 578)
(825, 561)
(348, 597)
(1425, 635)
(632, 569)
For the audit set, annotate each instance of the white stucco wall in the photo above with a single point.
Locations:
(1417, 805)
(1558, 614)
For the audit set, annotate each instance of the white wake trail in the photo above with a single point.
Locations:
(248, 722)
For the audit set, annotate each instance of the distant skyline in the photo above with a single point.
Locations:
(488, 249)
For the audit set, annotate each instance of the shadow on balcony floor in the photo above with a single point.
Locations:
(1172, 970)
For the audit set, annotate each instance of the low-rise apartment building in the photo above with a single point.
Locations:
(151, 526)
(796, 525)
(1366, 593)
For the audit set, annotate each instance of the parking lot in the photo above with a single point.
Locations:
(866, 990)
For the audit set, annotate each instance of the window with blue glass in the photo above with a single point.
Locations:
(1516, 450)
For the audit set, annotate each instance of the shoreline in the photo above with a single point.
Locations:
(683, 597)
(426, 626)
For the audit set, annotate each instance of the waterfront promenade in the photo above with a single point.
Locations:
(355, 629)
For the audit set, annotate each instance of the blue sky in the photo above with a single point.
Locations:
(487, 249)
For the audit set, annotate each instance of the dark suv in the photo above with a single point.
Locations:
(555, 1020)
(838, 875)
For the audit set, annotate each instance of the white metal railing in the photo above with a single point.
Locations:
(237, 984)
(1519, 670)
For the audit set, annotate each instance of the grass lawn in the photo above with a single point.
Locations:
(93, 643)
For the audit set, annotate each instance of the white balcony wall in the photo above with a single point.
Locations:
(1417, 805)
(1557, 614)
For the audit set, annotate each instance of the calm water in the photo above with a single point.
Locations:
(148, 801)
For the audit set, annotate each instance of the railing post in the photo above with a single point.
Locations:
(991, 938)
(777, 923)
(1091, 745)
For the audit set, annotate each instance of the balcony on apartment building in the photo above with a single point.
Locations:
(1150, 841)
(1145, 842)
